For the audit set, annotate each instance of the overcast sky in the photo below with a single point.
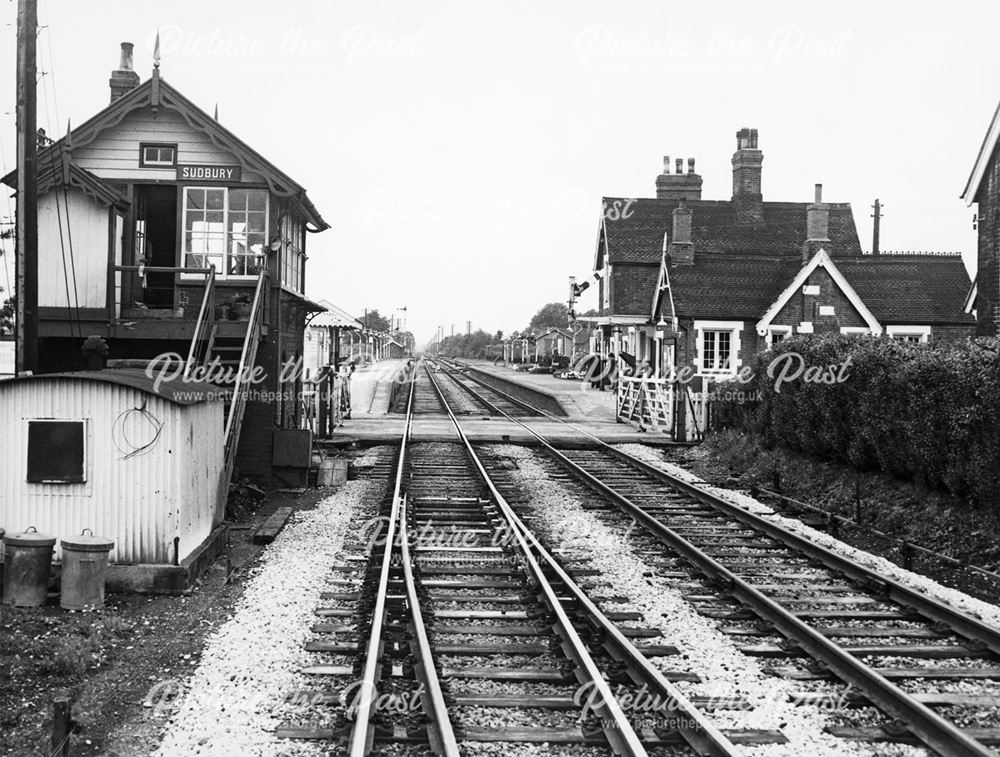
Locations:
(460, 149)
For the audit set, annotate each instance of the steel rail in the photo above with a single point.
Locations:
(933, 730)
(523, 404)
(440, 732)
(619, 732)
(935, 610)
(698, 731)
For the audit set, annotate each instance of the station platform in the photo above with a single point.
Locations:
(577, 398)
(371, 387)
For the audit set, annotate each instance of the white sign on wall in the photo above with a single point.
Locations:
(6, 358)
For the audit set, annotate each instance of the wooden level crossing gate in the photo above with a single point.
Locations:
(664, 405)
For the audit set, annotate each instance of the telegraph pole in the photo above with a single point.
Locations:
(877, 215)
(26, 222)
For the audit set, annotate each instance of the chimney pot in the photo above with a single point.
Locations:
(819, 193)
(123, 79)
(126, 60)
(676, 185)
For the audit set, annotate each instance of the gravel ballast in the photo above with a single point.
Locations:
(987, 612)
(232, 703)
(724, 670)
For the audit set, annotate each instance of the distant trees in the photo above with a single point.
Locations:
(7, 316)
(373, 320)
(555, 315)
(466, 345)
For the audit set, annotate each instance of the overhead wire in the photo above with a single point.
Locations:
(69, 272)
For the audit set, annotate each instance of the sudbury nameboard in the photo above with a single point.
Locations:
(209, 173)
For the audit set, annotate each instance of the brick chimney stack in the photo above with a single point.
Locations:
(747, 160)
(124, 79)
(681, 249)
(817, 226)
(678, 185)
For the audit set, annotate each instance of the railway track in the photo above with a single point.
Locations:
(465, 631)
(448, 389)
(932, 669)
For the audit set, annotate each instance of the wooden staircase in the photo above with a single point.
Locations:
(237, 356)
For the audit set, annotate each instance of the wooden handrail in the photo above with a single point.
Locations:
(201, 325)
(247, 358)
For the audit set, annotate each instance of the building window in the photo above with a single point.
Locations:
(717, 347)
(910, 334)
(293, 253)
(157, 155)
(855, 330)
(716, 351)
(227, 228)
(56, 452)
(777, 334)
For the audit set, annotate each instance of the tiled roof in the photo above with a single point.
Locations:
(729, 286)
(639, 238)
(918, 289)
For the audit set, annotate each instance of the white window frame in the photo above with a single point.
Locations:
(924, 332)
(735, 328)
(223, 275)
(83, 488)
(772, 330)
(293, 256)
(855, 330)
(144, 163)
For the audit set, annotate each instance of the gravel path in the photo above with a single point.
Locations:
(987, 612)
(725, 671)
(232, 703)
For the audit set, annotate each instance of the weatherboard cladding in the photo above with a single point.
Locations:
(99, 143)
(114, 154)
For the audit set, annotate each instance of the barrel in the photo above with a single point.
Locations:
(84, 571)
(27, 563)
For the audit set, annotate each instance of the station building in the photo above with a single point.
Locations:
(983, 190)
(710, 283)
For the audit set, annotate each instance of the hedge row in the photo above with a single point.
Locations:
(929, 413)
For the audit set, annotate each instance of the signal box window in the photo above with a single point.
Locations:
(157, 155)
